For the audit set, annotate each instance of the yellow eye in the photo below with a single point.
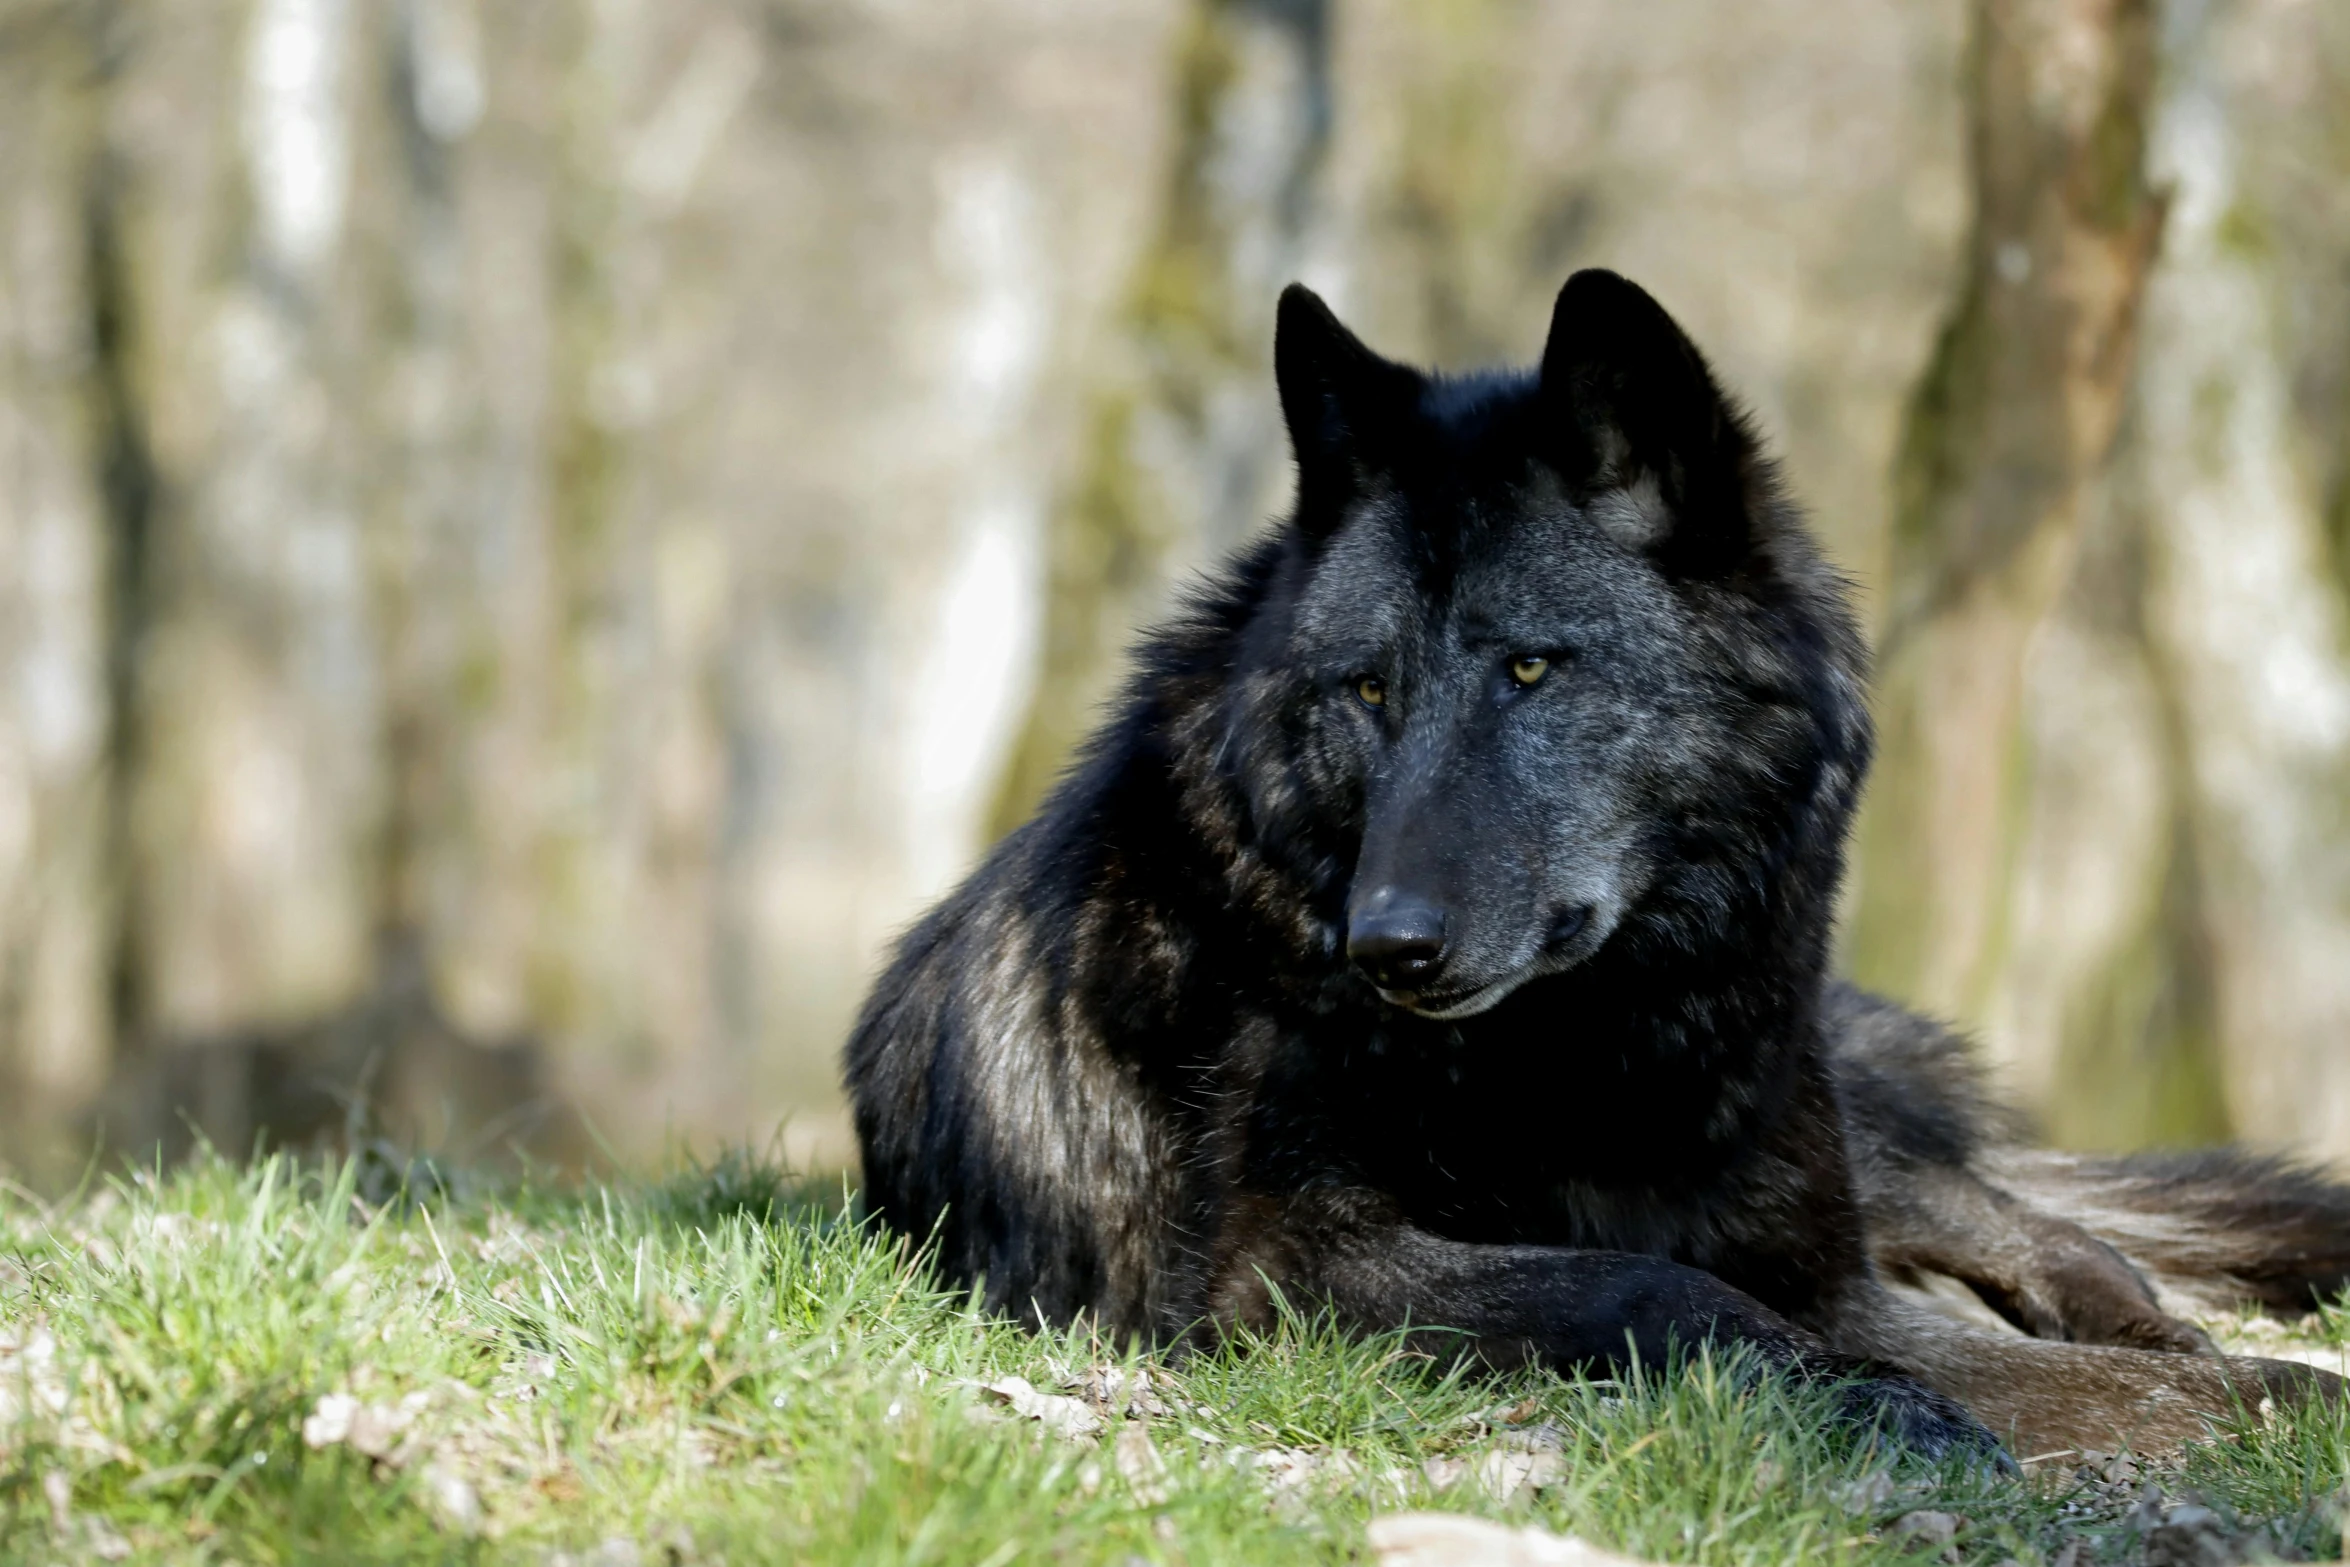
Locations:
(1372, 690)
(1526, 669)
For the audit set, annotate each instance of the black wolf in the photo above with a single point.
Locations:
(1438, 929)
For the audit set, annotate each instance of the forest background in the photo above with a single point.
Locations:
(535, 535)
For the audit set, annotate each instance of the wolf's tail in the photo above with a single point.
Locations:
(2211, 1230)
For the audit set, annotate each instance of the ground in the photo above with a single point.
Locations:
(289, 1362)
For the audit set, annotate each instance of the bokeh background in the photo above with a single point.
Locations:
(534, 534)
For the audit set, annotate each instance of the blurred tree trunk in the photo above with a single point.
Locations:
(1456, 200)
(2252, 622)
(2010, 425)
(57, 399)
(2098, 1005)
(584, 840)
(1181, 434)
(240, 692)
(2131, 866)
(257, 684)
(274, 291)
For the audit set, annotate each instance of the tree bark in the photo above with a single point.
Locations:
(2252, 623)
(1180, 434)
(2004, 436)
(57, 403)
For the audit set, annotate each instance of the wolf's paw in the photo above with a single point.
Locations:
(2076, 1287)
(2155, 1330)
(1913, 1418)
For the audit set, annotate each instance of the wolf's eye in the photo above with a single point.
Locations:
(1371, 690)
(1527, 669)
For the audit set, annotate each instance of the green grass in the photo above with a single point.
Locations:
(716, 1367)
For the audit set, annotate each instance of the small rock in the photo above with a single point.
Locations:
(1454, 1540)
(104, 1542)
(30, 1378)
(453, 1499)
(2193, 1536)
(1443, 1474)
(1870, 1493)
(375, 1429)
(1503, 1474)
(1289, 1470)
(370, 1429)
(330, 1421)
(2146, 1513)
(1928, 1527)
(1544, 1438)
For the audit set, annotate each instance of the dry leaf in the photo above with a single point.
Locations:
(1068, 1417)
(1140, 1466)
(1115, 1390)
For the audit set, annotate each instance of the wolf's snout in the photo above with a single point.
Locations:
(1397, 941)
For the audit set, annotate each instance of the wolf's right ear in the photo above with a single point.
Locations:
(1343, 404)
(1638, 421)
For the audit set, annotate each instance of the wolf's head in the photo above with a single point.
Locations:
(1549, 664)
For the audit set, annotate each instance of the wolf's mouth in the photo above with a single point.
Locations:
(1572, 939)
(1446, 1006)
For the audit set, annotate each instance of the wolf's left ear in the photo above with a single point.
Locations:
(1343, 404)
(1641, 429)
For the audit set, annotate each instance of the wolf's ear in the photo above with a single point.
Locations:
(1343, 403)
(1641, 428)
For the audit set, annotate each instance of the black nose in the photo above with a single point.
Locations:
(1399, 942)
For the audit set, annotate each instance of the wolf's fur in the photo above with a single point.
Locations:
(2212, 1230)
(1354, 961)
(2072, 1246)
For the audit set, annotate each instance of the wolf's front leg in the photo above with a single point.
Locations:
(1568, 1309)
